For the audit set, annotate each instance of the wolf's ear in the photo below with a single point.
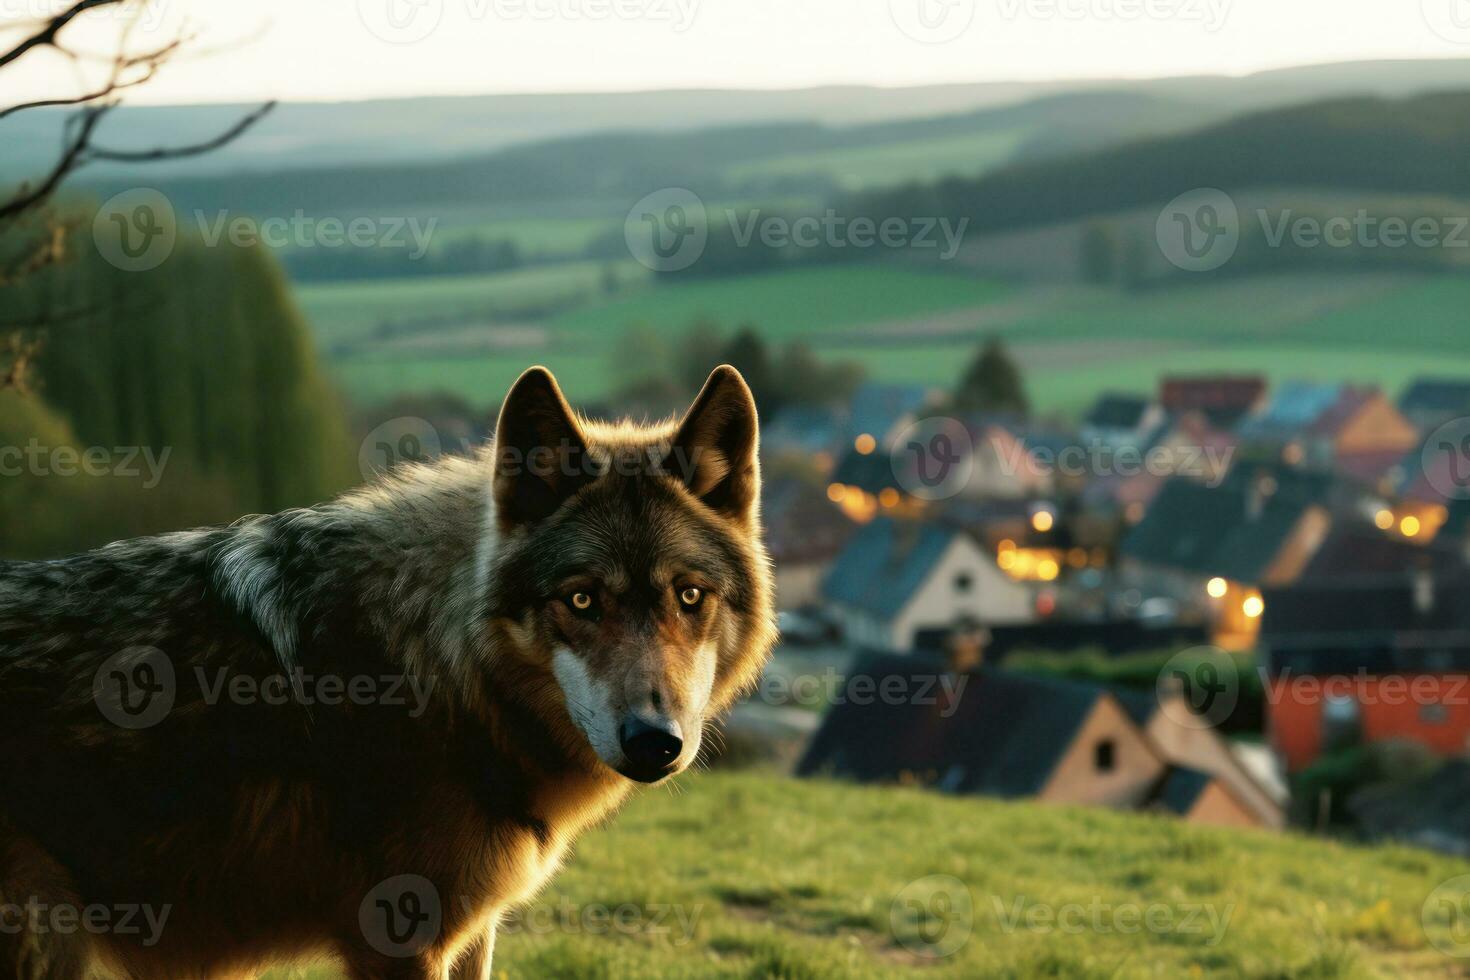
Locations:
(716, 449)
(541, 454)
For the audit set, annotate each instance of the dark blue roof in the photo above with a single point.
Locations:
(885, 563)
(876, 407)
(1182, 789)
(1296, 405)
(1004, 734)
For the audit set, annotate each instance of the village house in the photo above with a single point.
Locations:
(1372, 643)
(997, 733)
(805, 532)
(1118, 421)
(1431, 402)
(898, 578)
(1214, 549)
(1222, 399)
(1353, 431)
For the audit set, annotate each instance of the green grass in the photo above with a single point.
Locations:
(482, 381)
(778, 878)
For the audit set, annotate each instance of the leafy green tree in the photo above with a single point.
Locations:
(992, 383)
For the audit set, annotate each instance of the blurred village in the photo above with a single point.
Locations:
(1238, 604)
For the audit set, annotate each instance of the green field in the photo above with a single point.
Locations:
(968, 155)
(791, 303)
(341, 311)
(753, 876)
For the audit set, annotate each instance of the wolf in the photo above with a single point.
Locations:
(367, 729)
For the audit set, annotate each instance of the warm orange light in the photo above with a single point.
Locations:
(1384, 520)
(836, 492)
(1047, 570)
(1217, 588)
(1077, 558)
(889, 497)
(865, 444)
(1134, 513)
(1006, 544)
(1410, 526)
(1253, 607)
(1006, 560)
(1043, 521)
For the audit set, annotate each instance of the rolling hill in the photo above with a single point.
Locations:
(748, 875)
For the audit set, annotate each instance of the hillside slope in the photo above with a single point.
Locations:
(745, 875)
(1412, 146)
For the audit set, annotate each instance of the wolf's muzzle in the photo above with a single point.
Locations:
(651, 750)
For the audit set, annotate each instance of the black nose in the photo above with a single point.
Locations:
(651, 750)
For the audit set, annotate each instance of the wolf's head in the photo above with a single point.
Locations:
(629, 566)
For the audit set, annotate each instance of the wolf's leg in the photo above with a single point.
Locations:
(33, 890)
(474, 963)
(373, 966)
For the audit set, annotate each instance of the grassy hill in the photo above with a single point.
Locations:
(1412, 145)
(753, 876)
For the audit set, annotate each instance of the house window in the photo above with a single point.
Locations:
(1104, 755)
(1434, 714)
(963, 582)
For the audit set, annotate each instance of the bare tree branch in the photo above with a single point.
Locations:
(46, 36)
(175, 152)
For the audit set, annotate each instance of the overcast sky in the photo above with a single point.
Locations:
(352, 49)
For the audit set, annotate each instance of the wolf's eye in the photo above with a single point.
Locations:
(691, 597)
(581, 601)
